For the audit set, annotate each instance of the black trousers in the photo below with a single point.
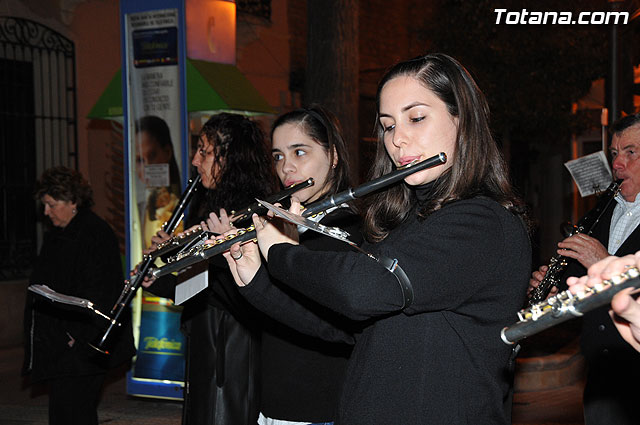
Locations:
(222, 370)
(73, 400)
(611, 396)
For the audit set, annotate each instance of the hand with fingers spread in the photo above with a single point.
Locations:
(585, 249)
(625, 308)
(219, 224)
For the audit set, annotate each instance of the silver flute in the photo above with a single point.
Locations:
(565, 305)
(204, 252)
(190, 237)
(133, 284)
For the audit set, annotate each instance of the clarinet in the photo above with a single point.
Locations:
(558, 264)
(203, 252)
(131, 285)
(565, 305)
(192, 236)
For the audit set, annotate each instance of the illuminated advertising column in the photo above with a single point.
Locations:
(155, 142)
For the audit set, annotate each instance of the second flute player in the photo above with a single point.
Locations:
(456, 230)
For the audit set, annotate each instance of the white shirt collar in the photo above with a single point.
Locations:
(626, 204)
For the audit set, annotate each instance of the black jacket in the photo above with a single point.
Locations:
(302, 375)
(81, 260)
(441, 360)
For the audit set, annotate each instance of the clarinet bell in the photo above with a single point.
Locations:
(100, 345)
(99, 350)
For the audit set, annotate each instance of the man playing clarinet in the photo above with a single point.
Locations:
(610, 359)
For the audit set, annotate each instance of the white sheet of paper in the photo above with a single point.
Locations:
(590, 172)
(191, 287)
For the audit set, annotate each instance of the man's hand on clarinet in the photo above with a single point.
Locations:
(585, 249)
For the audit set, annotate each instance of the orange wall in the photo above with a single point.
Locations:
(263, 54)
(95, 29)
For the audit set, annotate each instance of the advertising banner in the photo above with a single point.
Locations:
(155, 121)
(156, 141)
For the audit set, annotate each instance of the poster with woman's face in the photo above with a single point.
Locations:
(158, 175)
(154, 122)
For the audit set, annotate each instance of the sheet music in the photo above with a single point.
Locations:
(334, 232)
(590, 172)
(52, 295)
(197, 280)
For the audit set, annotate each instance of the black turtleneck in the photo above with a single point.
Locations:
(424, 192)
(441, 360)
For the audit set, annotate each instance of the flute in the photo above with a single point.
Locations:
(206, 251)
(565, 305)
(147, 263)
(189, 237)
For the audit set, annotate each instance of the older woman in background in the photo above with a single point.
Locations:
(79, 257)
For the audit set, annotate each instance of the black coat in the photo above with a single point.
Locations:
(302, 375)
(223, 346)
(441, 360)
(81, 260)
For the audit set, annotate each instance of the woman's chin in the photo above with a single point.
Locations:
(416, 181)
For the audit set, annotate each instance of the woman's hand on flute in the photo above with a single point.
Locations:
(272, 231)
(244, 261)
(625, 310)
(601, 271)
(156, 240)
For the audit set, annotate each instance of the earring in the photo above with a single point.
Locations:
(74, 210)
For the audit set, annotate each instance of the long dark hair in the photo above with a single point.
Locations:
(243, 160)
(324, 128)
(477, 167)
